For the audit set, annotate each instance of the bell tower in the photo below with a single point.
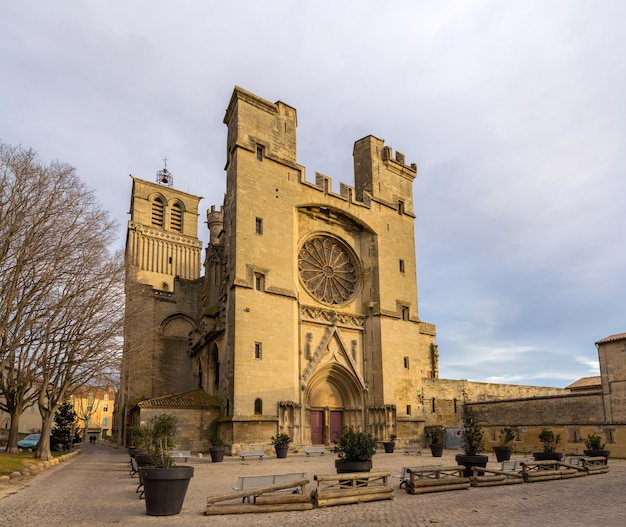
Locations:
(162, 240)
(162, 289)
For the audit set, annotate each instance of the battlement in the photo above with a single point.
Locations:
(399, 159)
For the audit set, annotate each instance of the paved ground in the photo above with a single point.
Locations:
(95, 489)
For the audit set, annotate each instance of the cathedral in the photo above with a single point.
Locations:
(305, 319)
(301, 315)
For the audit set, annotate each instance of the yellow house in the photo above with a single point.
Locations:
(94, 408)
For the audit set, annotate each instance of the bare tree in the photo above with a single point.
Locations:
(61, 291)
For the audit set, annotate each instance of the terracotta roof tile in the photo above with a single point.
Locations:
(196, 399)
(612, 338)
(586, 383)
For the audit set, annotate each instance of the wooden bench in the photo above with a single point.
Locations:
(269, 498)
(436, 478)
(354, 487)
(413, 450)
(182, 454)
(254, 482)
(315, 450)
(243, 454)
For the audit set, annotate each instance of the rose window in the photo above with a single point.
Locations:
(327, 270)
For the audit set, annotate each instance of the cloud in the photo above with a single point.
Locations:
(513, 111)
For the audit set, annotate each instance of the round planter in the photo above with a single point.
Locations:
(389, 446)
(165, 489)
(436, 450)
(598, 453)
(547, 456)
(217, 454)
(503, 453)
(471, 461)
(345, 467)
(281, 450)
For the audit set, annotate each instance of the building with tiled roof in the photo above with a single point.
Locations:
(586, 383)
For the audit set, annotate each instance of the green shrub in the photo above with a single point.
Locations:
(281, 439)
(354, 446)
(472, 438)
(506, 436)
(549, 439)
(438, 435)
(594, 442)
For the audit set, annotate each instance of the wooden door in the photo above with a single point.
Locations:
(336, 424)
(317, 427)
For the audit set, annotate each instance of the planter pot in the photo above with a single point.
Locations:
(503, 453)
(389, 446)
(547, 456)
(281, 450)
(471, 461)
(598, 453)
(345, 467)
(436, 450)
(165, 489)
(217, 454)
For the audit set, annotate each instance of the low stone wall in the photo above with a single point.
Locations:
(33, 469)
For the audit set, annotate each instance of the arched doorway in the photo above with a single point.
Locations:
(334, 399)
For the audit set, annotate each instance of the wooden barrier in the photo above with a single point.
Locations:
(594, 465)
(354, 487)
(486, 477)
(436, 479)
(547, 470)
(265, 499)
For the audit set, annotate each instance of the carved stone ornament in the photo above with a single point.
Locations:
(327, 270)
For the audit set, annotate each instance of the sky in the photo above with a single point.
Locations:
(513, 110)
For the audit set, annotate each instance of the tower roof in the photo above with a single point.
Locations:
(612, 338)
(196, 399)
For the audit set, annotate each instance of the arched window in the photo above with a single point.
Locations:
(258, 406)
(176, 218)
(158, 211)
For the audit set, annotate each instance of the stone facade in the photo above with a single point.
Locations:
(573, 414)
(312, 289)
(306, 319)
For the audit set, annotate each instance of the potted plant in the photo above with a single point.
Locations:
(550, 441)
(217, 449)
(390, 445)
(142, 439)
(504, 450)
(437, 441)
(165, 484)
(595, 447)
(354, 450)
(281, 444)
(472, 438)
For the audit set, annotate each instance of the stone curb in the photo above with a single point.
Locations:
(34, 469)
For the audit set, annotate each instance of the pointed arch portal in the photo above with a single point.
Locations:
(334, 399)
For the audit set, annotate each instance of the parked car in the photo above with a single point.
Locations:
(30, 442)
